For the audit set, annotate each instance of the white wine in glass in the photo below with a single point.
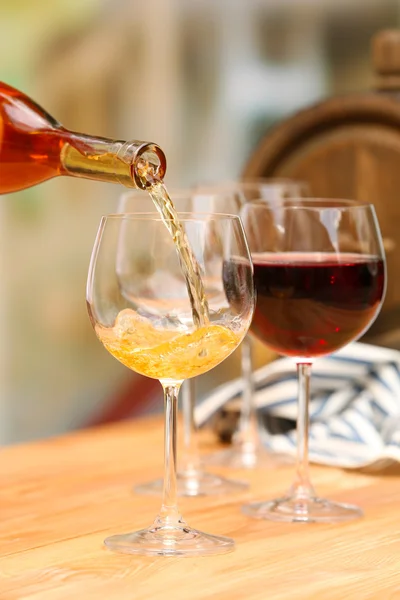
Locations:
(140, 308)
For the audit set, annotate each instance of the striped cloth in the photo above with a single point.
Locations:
(354, 408)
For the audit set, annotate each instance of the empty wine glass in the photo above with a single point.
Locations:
(247, 450)
(319, 274)
(141, 305)
(192, 479)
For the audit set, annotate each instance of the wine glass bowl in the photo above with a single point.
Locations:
(319, 274)
(142, 311)
(320, 280)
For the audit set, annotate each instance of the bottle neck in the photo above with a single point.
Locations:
(133, 164)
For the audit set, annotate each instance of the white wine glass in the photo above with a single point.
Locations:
(192, 478)
(141, 310)
(247, 450)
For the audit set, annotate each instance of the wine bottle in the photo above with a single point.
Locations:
(34, 147)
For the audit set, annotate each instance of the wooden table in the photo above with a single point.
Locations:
(60, 498)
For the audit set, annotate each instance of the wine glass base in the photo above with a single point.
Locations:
(170, 541)
(195, 484)
(238, 458)
(302, 510)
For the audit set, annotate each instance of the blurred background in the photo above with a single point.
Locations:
(204, 79)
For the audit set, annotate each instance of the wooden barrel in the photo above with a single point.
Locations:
(349, 147)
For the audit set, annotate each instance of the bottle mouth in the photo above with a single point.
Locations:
(146, 162)
(149, 166)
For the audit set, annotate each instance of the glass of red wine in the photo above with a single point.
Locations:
(319, 274)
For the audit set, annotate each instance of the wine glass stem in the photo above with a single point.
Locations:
(302, 486)
(169, 514)
(190, 456)
(247, 436)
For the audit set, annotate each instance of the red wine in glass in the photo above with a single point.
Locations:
(319, 274)
(311, 304)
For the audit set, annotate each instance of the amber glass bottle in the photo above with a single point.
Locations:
(34, 147)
